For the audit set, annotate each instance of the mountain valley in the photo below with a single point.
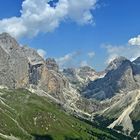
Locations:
(38, 101)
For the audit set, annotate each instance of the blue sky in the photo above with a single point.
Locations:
(114, 23)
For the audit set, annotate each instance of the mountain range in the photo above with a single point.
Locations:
(38, 101)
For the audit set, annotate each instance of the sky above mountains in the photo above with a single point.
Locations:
(75, 32)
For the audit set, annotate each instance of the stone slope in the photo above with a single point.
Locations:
(124, 113)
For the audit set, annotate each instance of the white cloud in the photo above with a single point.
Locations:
(42, 53)
(130, 52)
(75, 59)
(135, 41)
(67, 60)
(80, 12)
(37, 16)
(91, 54)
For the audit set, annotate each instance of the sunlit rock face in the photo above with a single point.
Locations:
(21, 67)
(14, 65)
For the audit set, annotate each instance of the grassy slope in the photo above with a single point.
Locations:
(26, 116)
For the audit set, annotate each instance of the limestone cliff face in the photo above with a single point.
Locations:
(53, 82)
(35, 65)
(14, 65)
(21, 67)
(6, 76)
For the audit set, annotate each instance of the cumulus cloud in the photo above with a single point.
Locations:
(68, 60)
(38, 16)
(81, 11)
(76, 59)
(42, 53)
(135, 41)
(130, 52)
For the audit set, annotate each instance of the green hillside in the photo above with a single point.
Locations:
(26, 116)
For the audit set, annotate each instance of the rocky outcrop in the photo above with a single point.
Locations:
(35, 65)
(53, 82)
(115, 63)
(51, 64)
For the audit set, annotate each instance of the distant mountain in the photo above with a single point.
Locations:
(122, 76)
(80, 77)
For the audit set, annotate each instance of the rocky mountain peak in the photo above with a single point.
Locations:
(7, 42)
(5, 36)
(119, 78)
(32, 55)
(51, 64)
(116, 63)
(137, 61)
(87, 68)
